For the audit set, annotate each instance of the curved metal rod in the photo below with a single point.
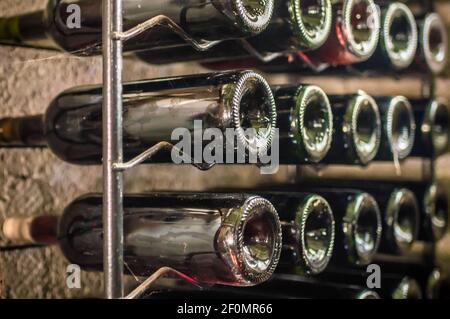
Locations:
(162, 20)
(263, 57)
(142, 288)
(147, 154)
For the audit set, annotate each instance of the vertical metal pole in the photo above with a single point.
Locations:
(112, 150)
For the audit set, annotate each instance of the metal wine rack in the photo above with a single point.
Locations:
(114, 167)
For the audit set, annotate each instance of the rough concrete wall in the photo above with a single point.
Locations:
(34, 182)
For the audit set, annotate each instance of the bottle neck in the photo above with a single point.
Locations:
(29, 29)
(26, 131)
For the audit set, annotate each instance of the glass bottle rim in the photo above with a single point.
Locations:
(408, 288)
(360, 204)
(259, 142)
(362, 49)
(366, 150)
(438, 111)
(303, 99)
(311, 37)
(436, 60)
(398, 108)
(312, 205)
(249, 268)
(404, 57)
(433, 195)
(398, 201)
(250, 19)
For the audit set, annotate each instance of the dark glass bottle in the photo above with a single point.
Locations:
(153, 109)
(296, 25)
(305, 121)
(392, 285)
(358, 225)
(203, 21)
(398, 39)
(357, 129)
(407, 288)
(433, 127)
(308, 226)
(401, 220)
(399, 128)
(22, 131)
(279, 287)
(432, 53)
(436, 207)
(353, 39)
(437, 285)
(231, 239)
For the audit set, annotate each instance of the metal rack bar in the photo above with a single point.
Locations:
(112, 149)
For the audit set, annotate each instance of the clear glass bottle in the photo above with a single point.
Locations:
(230, 239)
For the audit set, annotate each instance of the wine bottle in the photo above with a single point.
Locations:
(296, 25)
(357, 129)
(401, 220)
(152, 110)
(231, 239)
(437, 285)
(308, 227)
(358, 225)
(432, 201)
(399, 126)
(436, 211)
(199, 20)
(280, 286)
(398, 39)
(433, 44)
(302, 287)
(355, 214)
(353, 39)
(305, 121)
(433, 127)
(408, 288)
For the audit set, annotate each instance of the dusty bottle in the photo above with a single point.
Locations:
(55, 26)
(152, 110)
(230, 239)
(296, 25)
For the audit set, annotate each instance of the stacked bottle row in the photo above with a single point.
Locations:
(286, 35)
(326, 235)
(313, 127)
